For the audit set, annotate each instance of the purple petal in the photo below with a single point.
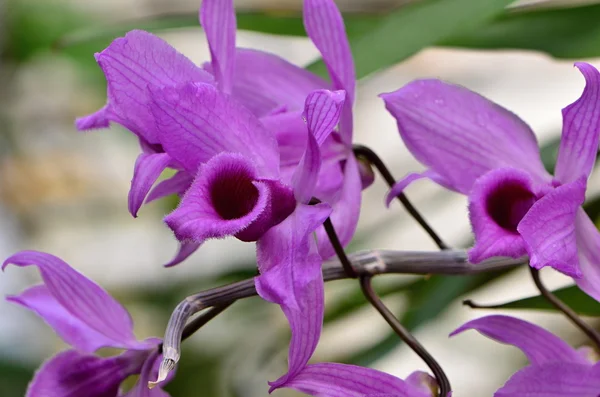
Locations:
(186, 248)
(177, 184)
(148, 168)
(325, 27)
(264, 82)
(399, 186)
(553, 380)
(539, 345)
(497, 204)
(196, 122)
(74, 374)
(217, 18)
(588, 247)
(548, 229)
(149, 372)
(424, 382)
(130, 64)
(340, 380)
(581, 128)
(322, 112)
(227, 198)
(461, 135)
(83, 299)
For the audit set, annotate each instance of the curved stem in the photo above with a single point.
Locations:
(411, 341)
(373, 158)
(560, 305)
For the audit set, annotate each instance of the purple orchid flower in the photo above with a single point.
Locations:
(475, 147)
(556, 369)
(86, 317)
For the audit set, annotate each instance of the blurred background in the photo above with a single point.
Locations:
(65, 192)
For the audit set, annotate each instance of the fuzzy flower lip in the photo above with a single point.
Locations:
(480, 149)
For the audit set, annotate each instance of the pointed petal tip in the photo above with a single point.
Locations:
(166, 366)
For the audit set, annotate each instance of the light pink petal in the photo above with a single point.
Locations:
(228, 198)
(588, 246)
(217, 18)
(322, 112)
(539, 345)
(83, 299)
(196, 122)
(497, 204)
(130, 65)
(581, 128)
(461, 135)
(148, 168)
(548, 229)
(341, 380)
(186, 248)
(325, 27)
(177, 184)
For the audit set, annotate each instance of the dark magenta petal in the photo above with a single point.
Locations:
(148, 168)
(217, 18)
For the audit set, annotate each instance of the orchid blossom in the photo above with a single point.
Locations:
(556, 369)
(87, 318)
(475, 147)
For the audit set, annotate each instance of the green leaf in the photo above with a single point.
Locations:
(562, 33)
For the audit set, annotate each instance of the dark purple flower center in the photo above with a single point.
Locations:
(508, 204)
(233, 195)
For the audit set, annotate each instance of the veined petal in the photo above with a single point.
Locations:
(548, 229)
(322, 112)
(581, 128)
(177, 184)
(196, 122)
(588, 247)
(325, 27)
(73, 374)
(131, 64)
(553, 380)
(217, 18)
(186, 248)
(228, 198)
(149, 372)
(540, 346)
(341, 380)
(461, 135)
(85, 300)
(148, 168)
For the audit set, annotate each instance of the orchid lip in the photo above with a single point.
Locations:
(234, 195)
(508, 204)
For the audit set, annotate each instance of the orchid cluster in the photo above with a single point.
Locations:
(262, 151)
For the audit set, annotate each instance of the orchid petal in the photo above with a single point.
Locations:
(149, 372)
(130, 64)
(74, 374)
(461, 135)
(148, 168)
(588, 247)
(322, 112)
(186, 248)
(227, 198)
(403, 183)
(341, 380)
(553, 380)
(217, 18)
(177, 184)
(581, 129)
(81, 297)
(539, 345)
(424, 382)
(325, 27)
(548, 229)
(196, 122)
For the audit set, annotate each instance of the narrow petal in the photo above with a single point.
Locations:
(73, 374)
(461, 135)
(322, 112)
(149, 372)
(581, 128)
(148, 168)
(341, 380)
(588, 247)
(548, 229)
(130, 64)
(196, 122)
(83, 299)
(497, 204)
(217, 18)
(227, 198)
(186, 248)
(553, 380)
(407, 180)
(177, 184)
(325, 27)
(539, 345)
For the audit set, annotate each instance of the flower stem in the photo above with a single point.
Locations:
(407, 337)
(373, 158)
